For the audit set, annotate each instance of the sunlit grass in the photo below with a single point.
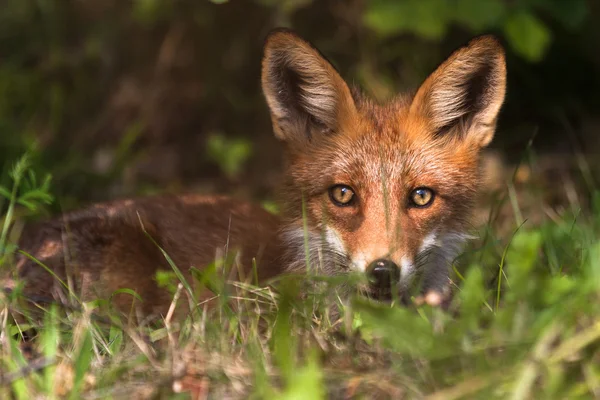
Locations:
(524, 323)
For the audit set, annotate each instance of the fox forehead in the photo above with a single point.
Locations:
(384, 145)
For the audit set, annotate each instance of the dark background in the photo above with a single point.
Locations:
(117, 98)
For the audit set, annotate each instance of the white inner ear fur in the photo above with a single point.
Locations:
(466, 92)
(317, 91)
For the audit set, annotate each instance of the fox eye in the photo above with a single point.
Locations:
(341, 195)
(421, 197)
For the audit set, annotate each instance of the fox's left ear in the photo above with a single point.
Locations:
(464, 94)
(306, 95)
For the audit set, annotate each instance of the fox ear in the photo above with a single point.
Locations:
(305, 94)
(464, 94)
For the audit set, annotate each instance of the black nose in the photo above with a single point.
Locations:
(383, 273)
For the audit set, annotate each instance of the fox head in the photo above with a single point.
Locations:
(385, 189)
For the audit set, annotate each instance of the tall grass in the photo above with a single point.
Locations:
(524, 323)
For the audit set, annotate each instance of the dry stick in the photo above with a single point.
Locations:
(38, 300)
(177, 368)
(142, 345)
(3, 335)
(576, 343)
(466, 387)
(530, 370)
(172, 338)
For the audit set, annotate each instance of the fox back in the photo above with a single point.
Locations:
(381, 189)
(120, 244)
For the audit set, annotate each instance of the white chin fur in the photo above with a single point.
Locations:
(334, 241)
(407, 270)
(359, 264)
(429, 241)
(326, 251)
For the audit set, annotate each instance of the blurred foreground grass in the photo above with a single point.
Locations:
(524, 323)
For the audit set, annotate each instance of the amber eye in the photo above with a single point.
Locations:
(421, 197)
(341, 195)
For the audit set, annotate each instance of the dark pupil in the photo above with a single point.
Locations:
(343, 193)
(421, 195)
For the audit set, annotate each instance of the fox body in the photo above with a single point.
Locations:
(115, 245)
(383, 189)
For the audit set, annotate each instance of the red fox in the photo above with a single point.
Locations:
(383, 189)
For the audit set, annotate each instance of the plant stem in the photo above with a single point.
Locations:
(9, 213)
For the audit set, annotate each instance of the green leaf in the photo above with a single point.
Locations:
(16, 361)
(37, 194)
(4, 192)
(593, 267)
(284, 344)
(19, 168)
(167, 280)
(521, 256)
(82, 363)
(472, 294)
(427, 18)
(416, 337)
(306, 382)
(557, 287)
(229, 154)
(31, 206)
(128, 291)
(480, 14)
(527, 35)
(523, 253)
(271, 206)
(49, 341)
(115, 339)
(151, 11)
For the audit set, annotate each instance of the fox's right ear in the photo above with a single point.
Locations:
(464, 94)
(304, 92)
